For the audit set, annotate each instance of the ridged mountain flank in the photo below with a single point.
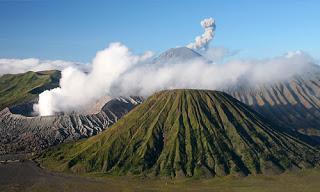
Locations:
(186, 133)
(292, 103)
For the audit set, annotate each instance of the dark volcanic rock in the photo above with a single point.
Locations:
(19, 133)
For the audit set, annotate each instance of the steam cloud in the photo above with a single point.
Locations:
(199, 74)
(117, 71)
(202, 42)
(78, 89)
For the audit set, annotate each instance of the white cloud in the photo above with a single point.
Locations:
(117, 71)
(13, 66)
(198, 74)
(78, 89)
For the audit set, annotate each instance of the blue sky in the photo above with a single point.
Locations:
(76, 29)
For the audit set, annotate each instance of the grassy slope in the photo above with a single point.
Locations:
(24, 87)
(186, 133)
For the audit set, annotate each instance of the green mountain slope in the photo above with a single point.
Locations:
(19, 88)
(186, 133)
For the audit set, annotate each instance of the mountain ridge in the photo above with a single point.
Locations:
(292, 103)
(24, 87)
(180, 54)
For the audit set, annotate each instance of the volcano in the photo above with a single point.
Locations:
(178, 55)
(186, 133)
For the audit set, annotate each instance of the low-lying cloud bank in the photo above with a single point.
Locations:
(145, 79)
(117, 71)
(13, 66)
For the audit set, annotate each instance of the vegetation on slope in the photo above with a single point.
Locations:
(19, 88)
(186, 133)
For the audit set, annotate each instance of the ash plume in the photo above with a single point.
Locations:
(202, 42)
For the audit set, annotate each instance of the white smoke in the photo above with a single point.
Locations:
(202, 42)
(13, 66)
(116, 71)
(78, 89)
(199, 74)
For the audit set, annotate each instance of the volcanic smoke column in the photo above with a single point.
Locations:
(202, 42)
(79, 89)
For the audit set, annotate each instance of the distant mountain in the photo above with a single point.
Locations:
(181, 54)
(293, 103)
(24, 87)
(186, 133)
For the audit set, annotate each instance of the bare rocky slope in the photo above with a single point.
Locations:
(22, 134)
(292, 103)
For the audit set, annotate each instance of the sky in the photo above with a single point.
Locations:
(75, 30)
